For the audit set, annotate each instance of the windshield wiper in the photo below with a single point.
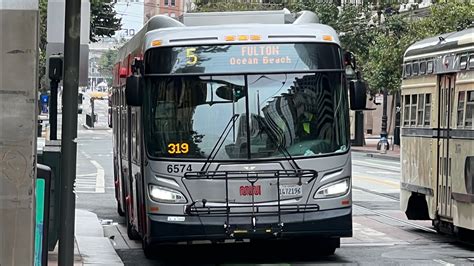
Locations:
(220, 141)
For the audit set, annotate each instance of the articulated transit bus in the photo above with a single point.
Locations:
(437, 140)
(233, 132)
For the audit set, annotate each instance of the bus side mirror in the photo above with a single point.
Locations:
(358, 94)
(133, 90)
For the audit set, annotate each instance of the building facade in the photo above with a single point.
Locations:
(171, 8)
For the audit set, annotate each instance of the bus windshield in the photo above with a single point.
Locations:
(305, 113)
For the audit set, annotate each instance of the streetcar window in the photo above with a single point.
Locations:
(427, 109)
(471, 61)
(413, 110)
(463, 62)
(430, 67)
(421, 109)
(406, 111)
(407, 70)
(461, 101)
(469, 109)
(423, 68)
(416, 68)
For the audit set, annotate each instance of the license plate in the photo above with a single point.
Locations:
(291, 190)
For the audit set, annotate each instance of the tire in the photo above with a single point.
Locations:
(148, 249)
(132, 233)
(327, 251)
(328, 246)
(119, 209)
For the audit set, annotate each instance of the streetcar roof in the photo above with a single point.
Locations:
(267, 33)
(453, 41)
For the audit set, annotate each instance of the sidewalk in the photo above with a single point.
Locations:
(90, 247)
(370, 148)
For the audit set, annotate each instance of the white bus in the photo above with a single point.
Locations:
(236, 131)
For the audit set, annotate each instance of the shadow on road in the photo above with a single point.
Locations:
(236, 253)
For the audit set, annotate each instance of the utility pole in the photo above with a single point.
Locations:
(72, 33)
(18, 129)
(383, 142)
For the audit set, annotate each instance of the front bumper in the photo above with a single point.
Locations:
(325, 224)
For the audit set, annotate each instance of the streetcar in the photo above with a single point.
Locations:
(437, 134)
(232, 132)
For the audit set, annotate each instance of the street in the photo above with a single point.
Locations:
(382, 234)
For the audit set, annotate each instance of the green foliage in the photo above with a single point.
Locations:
(104, 21)
(106, 64)
(232, 5)
(382, 69)
(354, 31)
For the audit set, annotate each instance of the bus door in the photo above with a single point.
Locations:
(445, 106)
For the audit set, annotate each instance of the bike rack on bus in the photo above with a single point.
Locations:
(199, 207)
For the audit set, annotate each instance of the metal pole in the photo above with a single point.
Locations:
(72, 34)
(53, 110)
(383, 143)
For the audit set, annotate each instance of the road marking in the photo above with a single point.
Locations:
(389, 183)
(100, 180)
(443, 262)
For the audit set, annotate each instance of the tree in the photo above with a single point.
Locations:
(382, 69)
(106, 64)
(104, 21)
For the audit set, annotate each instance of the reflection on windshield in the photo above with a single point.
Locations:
(303, 113)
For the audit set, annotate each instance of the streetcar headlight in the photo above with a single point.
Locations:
(334, 189)
(166, 195)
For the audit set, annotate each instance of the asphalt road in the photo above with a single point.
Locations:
(382, 235)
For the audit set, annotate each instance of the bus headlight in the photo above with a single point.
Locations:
(334, 189)
(166, 195)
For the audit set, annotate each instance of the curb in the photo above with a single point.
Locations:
(376, 154)
(94, 248)
(95, 128)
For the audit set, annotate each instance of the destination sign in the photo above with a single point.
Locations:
(242, 58)
(261, 54)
